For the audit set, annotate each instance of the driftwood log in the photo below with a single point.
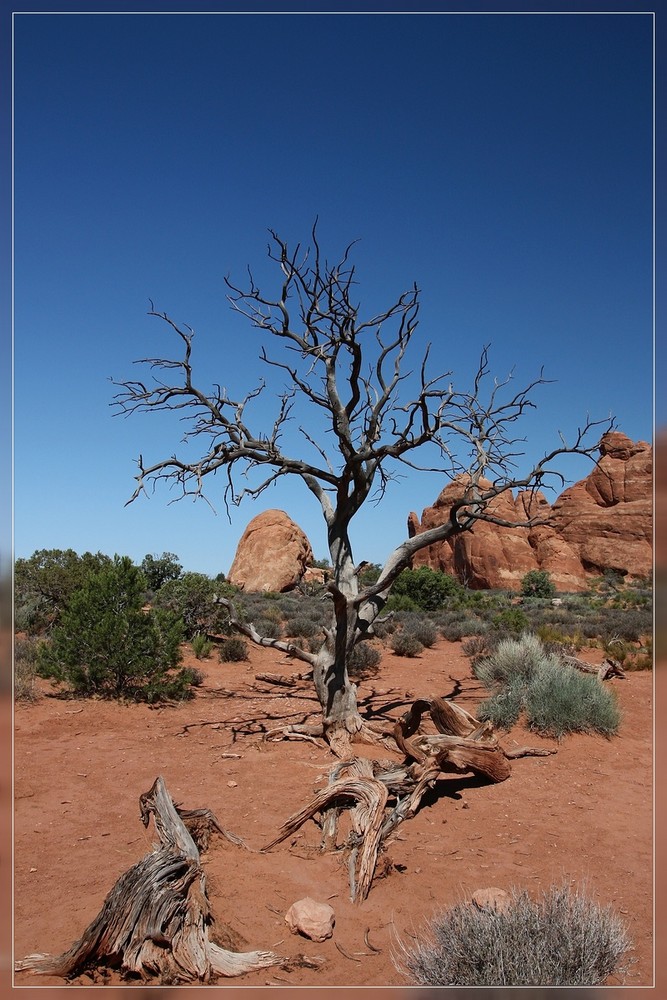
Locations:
(156, 919)
(382, 794)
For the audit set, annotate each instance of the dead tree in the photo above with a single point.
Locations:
(341, 376)
(156, 919)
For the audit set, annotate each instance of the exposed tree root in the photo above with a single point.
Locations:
(155, 921)
(382, 794)
(339, 740)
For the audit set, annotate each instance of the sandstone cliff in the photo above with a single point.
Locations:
(602, 522)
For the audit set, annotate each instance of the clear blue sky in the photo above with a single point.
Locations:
(503, 162)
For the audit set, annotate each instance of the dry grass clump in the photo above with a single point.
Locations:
(563, 939)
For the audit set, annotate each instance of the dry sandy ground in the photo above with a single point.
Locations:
(583, 816)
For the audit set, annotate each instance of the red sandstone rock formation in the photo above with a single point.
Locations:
(602, 522)
(273, 554)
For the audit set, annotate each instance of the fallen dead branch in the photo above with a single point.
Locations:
(155, 921)
(280, 679)
(608, 669)
(529, 752)
(369, 945)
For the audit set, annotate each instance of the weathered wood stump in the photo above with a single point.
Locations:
(156, 919)
(461, 744)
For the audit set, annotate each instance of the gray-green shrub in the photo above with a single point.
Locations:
(405, 644)
(512, 658)
(303, 627)
(233, 650)
(562, 700)
(477, 647)
(556, 698)
(364, 661)
(269, 628)
(562, 939)
(419, 626)
(462, 627)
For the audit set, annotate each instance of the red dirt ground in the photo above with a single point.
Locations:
(583, 816)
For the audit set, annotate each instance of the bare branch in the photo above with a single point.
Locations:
(249, 630)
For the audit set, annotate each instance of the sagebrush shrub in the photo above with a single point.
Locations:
(562, 939)
(269, 611)
(289, 606)
(478, 646)
(629, 623)
(270, 628)
(424, 632)
(456, 630)
(562, 700)
(364, 661)
(383, 629)
(406, 644)
(302, 627)
(504, 707)
(512, 658)
(233, 650)
(557, 699)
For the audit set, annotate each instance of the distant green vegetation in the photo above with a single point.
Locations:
(44, 583)
(56, 590)
(424, 589)
(158, 570)
(190, 598)
(538, 583)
